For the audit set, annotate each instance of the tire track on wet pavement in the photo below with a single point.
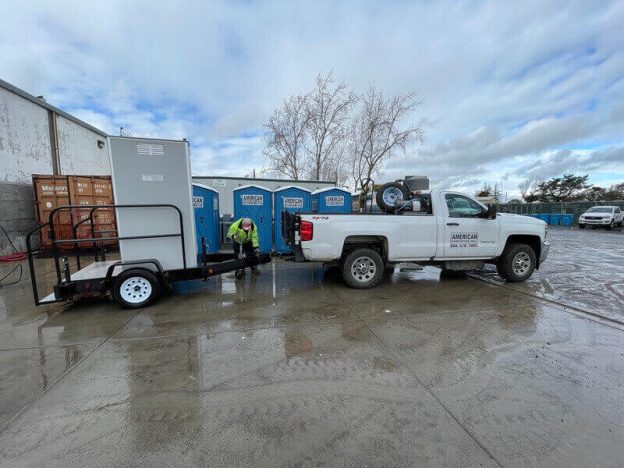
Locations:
(411, 372)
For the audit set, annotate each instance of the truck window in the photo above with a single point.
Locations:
(460, 206)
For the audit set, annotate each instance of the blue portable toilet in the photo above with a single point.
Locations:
(294, 200)
(567, 219)
(206, 207)
(331, 200)
(255, 202)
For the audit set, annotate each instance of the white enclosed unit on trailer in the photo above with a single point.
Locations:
(155, 229)
(147, 171)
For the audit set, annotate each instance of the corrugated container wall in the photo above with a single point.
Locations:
(54, 191)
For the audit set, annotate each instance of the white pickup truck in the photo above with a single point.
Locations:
(451, 230)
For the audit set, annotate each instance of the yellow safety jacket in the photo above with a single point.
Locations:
(243, 236)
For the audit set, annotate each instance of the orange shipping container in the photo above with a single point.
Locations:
(54, 191)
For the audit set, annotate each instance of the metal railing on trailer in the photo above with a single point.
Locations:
(67, 286)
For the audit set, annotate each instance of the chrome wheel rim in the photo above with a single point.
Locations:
(135, 289)
(363, 269)
(391, 196)
(521, 263)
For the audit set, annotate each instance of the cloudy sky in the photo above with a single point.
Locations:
(510, 89)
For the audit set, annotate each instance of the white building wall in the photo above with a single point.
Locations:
(78, 149)
(24, 139)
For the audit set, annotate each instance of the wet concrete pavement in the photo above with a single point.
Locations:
(585, 269)
(293, 368)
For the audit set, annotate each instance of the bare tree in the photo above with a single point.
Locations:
(286, 132)
(378, 133)
(329, 107)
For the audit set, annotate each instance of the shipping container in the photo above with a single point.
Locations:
(52, 191)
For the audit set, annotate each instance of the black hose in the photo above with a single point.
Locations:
(19, 266)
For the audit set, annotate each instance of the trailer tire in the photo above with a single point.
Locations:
(136, 288)
(389, 194)
(362, 268)
(517, 263)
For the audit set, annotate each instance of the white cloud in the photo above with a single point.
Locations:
(504, 86)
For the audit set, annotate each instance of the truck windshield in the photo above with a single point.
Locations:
(600, 209)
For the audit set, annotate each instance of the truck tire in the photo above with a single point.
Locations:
(362, 269)
(136, 288)
(610, 225)
(581, 226)
(389, 194)
(517, 263)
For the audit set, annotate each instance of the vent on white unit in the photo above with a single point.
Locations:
(148, 149)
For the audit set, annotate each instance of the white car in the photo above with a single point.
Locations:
(606, 216)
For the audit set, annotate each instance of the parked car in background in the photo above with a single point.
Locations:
(605, 216)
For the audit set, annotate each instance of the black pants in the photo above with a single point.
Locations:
(247, 248)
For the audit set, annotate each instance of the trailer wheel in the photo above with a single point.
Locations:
(136, 288)
(389, 194)
(363, 268)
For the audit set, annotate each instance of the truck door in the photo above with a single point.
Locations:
(466, 232)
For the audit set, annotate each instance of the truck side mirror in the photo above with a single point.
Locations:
(491, 212)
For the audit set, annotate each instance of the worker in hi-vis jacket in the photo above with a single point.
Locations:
(244, 235)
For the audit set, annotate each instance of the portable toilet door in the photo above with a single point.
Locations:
(256, 203)
(294, 200)
(206, 206)
(331, 200)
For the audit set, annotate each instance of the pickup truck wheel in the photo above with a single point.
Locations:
(581, 226)
(388, 196)
(136, 288)
(517, 263)
(610, 226)
(363, 268)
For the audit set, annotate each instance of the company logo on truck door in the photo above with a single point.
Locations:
(198, 202)
(335, 200)
(464, 239)
(293, 202)
(252, 199)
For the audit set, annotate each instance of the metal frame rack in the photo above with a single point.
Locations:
(99, 277)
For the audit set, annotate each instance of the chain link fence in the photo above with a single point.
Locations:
(574, 208)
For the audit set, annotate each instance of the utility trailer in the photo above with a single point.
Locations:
(134, 283)
(153, 207)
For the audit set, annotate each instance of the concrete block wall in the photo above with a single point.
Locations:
(26, 141)
(17, 215)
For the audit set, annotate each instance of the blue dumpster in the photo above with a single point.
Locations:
(206, 207)
(544, 217)
(567, 219)
(255, 202)
(555, 219)
(331, 200)
(294, 200)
